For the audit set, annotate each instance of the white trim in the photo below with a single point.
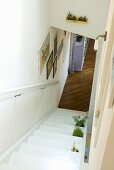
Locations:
(21, 90)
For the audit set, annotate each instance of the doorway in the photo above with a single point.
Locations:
(77, 91)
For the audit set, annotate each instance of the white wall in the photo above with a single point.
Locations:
(18, 115)
(96, 12)
(24, 24)
(23, 27)
(63, 62)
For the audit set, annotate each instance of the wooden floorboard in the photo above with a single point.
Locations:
(77, 91)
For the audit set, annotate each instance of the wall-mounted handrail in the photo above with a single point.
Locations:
(22, 90)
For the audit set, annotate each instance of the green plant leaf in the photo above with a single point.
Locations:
(78, 132)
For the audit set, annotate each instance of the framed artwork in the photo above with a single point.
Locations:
(55, 45)
(55, 66)
(44, 52)
(49, 64)
(60, 49)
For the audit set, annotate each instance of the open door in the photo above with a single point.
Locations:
(104, 112)
(105, 76)
(96, 82)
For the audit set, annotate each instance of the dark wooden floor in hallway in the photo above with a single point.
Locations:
(77, 91)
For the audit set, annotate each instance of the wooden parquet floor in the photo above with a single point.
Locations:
(77, 90)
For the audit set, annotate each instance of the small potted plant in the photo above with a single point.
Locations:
(73, 18)
(69, 16)
(78, 132)
(80, 121)
(83, 19)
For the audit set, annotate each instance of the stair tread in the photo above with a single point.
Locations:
(57, 129)
(53, 135)
(54, 143)
(50, 153)
(50, 123)
(41, 163)
(64, 117)
(45, 138)
(70, 112)
(61, 121)
(64, 128)
(57, 121)
(61, 117)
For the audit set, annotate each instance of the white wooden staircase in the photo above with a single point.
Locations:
(49, 147)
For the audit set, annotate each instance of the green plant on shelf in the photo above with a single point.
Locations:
(71, 17)
(78, 132)
(80, 121)
(83, 19)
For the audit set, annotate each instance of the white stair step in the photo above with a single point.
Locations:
(77, 141)
(60, 121)
(41, 163)
(66, 116)
(52, 135)
(50, 153)
(56, 129)
(64, 145)
(9, 167)
(52, 128)
(67, 112)
(57, 113)
(70, 112)
(60, 125)
(61, 117)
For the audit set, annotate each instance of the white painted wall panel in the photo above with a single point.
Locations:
(95, 10)
(23, 27)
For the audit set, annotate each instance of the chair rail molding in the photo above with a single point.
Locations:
(17, 92)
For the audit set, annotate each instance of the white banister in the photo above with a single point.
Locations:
(21, 90)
